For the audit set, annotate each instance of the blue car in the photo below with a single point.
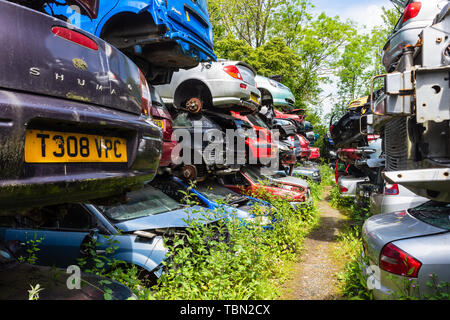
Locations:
(213, 195)
(139, 226)
(160, 36)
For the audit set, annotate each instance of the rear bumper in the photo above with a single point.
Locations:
(380, 203)
(166, 157)
(46, 183)
(430, 183)
(229, 92)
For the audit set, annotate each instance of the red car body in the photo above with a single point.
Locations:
(163, 119)
(282, 115)
(315, 153)
(349, 155)
(261, 147)
(244, 184)
(304, 145)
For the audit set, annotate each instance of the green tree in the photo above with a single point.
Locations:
(361, 60)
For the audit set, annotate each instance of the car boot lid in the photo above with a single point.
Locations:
(50, 57)
(382, 229)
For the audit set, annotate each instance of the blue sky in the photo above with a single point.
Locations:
(364, 12)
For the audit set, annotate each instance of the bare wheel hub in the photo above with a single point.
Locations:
(194, 105)
(189, 172)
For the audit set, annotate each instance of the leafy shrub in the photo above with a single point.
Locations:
(245, 267)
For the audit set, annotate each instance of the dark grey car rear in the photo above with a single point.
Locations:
(49, 83)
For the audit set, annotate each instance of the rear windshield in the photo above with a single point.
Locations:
(217, 192)
(434, 213)
(257, 121)
(142, 203)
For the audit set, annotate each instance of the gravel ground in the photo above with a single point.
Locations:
(314, 275)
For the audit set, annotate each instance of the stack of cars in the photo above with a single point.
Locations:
(106, 129)
(412, 117)
(295, 132)
(396, 143)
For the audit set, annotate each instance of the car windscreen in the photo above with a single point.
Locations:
(276, 175)
(217, 192)
(142, 203)
(185, 120)
(255, 176)
(434, 213)
(257, 121)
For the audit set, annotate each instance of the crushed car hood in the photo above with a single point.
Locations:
(172, 219)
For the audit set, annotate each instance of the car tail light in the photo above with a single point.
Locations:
(168, 130)
(331, 128)
(76, 37)
(146, 101)
(395, 260)
(391, 189)
(411, 11)
(243, 86)
(343, 189)
(233, 71)
(372, 137)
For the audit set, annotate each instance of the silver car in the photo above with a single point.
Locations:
(225, 85)
(417, 15)
(404, 251)
(347, 185)
(394, 198)
(308, 170)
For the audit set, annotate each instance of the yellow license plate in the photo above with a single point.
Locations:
(159, 123)
(254, 98)
(43, 146)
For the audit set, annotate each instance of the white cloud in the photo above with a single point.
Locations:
(368, 16)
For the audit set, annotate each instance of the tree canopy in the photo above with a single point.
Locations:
(286, 37)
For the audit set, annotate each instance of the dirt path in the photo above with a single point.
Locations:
(314, 275)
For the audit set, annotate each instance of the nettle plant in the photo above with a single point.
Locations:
(218, 256)
(230, 258)
(32, 248)
(409, 289)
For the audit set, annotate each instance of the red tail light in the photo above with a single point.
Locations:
(243, 86)
(76, 37)
(412, 10)
(146, 101)
(168, 130)
(395, 260)
(331, 128)
(391, 189)
(233, 71)
(343, 189)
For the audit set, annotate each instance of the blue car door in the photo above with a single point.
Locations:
(82, 21)
(193, 15)
(61, 233)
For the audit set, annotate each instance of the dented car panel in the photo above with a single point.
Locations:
(40, 59)
(71, 127)
(139, 227)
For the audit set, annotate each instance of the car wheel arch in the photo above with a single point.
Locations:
(128, 17)
(138, 260)
(266, 96)
(184, 92)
